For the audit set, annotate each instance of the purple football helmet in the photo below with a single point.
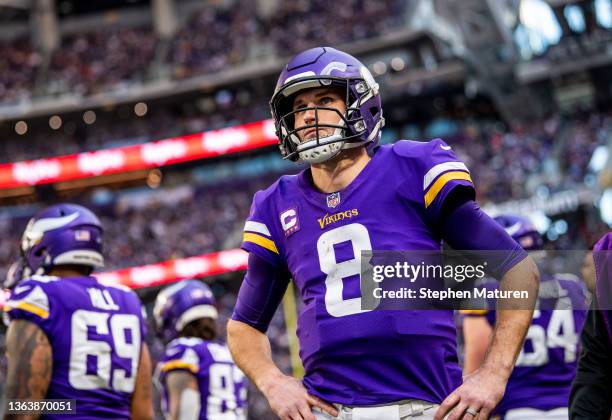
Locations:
(62, 234)
(181, 303)
(322, 67)
(522, 231)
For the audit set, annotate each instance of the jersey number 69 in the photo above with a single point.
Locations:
(91, 359)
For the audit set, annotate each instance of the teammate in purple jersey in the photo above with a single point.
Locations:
(312, 228)
(591, 396)
(70, 337)
(540, 384)
(199, 380)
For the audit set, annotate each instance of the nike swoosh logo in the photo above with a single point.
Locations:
(445, 147)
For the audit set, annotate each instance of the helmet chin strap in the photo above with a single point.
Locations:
(323, 152)
(331, 147)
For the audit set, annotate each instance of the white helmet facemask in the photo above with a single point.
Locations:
(328, 147)
(321, 149)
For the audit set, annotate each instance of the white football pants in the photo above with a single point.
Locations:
(409, 409)
(561, 413)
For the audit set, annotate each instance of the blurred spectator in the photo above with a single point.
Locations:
(103, 60)
(302, 24)
(214, 39)
(18, 65)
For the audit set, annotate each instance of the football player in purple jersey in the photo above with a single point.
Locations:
(198, 378)
(356, 196)
(70, 337)
(591, 396)
(539, 386)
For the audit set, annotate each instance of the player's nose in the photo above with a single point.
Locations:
(310, 115)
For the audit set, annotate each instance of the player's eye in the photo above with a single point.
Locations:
(326, 100)
(299, 106)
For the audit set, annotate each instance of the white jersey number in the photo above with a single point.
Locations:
(84, 349)
(223, 377)
(561, 332)
(359, 238)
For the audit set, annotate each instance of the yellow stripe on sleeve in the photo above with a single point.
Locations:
(473, 311)
(28, 307)
(260, 240)
(179, 364)
(442, 181)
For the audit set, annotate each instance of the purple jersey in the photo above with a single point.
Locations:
(353, 356)
(222, 385)
(546, 366)
(96, 333)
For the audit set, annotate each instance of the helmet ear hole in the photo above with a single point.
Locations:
(40, 252)
(374, 111)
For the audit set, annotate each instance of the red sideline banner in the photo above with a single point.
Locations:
(179, 269)
(142, 156)
(169, 271)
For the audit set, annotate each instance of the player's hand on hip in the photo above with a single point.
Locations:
(290, 401)
(476, 398)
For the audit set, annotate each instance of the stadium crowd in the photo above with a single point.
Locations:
(106, 59)
(18, 69)
(113, 57)
(170, 223)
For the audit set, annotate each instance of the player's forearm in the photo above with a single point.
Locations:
(476, 333)
(30, 361)
(142, 398)
(251, 351)
(513, 317)
(183, 395)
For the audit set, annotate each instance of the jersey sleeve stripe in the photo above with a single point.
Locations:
(473, 312)
(256, 227)
(433, 173)
(261, 241)
(28, 307)
(437, 186)
(178, 364)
